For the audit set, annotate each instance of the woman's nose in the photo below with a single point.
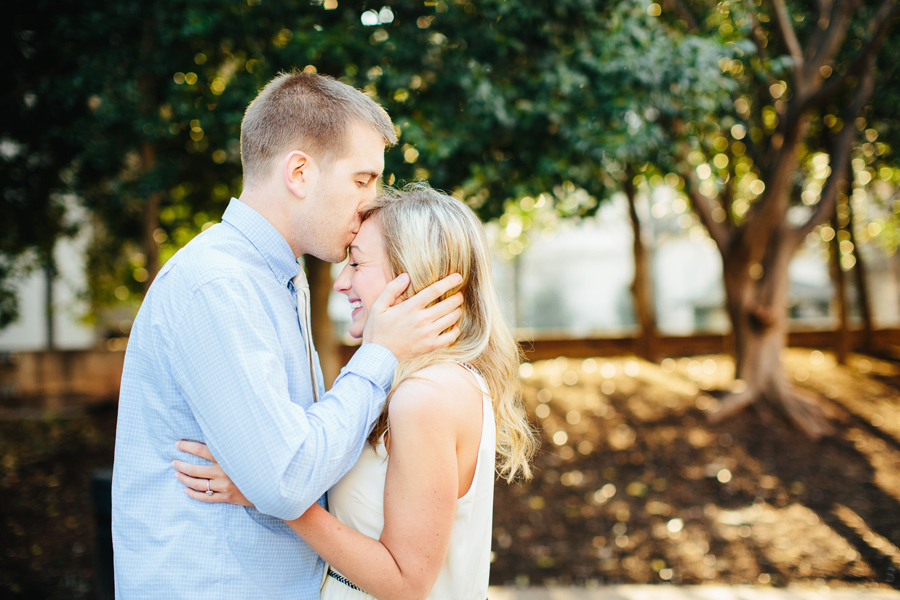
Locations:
(342, 283)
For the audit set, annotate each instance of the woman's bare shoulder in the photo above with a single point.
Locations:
(443, 390)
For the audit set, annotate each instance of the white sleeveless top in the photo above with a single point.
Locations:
(357, 500)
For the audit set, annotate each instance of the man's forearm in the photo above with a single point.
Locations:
(335, 434)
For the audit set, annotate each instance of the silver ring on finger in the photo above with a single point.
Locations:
(209, 492)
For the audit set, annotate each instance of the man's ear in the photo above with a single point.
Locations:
(297, 169)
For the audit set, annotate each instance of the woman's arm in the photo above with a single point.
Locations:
(420, 495)
(435, 433)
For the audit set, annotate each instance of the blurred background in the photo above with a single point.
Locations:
(694, 213)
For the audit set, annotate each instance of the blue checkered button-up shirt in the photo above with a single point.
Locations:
(216, 355)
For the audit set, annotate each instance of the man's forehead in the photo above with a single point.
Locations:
(366, 150)
(361, 163)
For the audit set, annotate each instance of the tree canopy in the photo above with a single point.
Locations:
(135, 108)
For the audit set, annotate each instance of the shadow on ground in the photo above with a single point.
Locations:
(632, 486)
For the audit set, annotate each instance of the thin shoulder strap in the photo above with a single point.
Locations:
(468, 367)
(478, 376)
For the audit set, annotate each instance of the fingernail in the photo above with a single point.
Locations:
(458, 279)
(178, 444)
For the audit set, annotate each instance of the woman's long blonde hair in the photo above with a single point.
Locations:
(430, 235)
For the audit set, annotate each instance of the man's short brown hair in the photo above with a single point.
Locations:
(308, 112)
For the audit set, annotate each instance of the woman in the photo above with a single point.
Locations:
(412, 518)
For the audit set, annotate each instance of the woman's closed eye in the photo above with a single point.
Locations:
(353, 257)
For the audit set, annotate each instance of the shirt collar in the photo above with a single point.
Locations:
(265, 238)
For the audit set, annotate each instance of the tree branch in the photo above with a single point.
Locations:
(752, 149)
(757, 40)
(828, 45)
(727, 195)
(762, 148)
(760, 151)
(754, 32)
(840, 158)
(783, 19)
(824, 7)
(879, 25)
(719, 232)
(823, 18)
(728, 199)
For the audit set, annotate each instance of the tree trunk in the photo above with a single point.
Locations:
(842, 333)
(318, 273)
(49, 277)
(862, 285)
(148, 105)
(756, 298)
(757, 248)
(151, 219)
(642, 286)
(517, 286)
(151, 248)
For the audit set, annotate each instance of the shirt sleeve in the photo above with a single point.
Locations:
(227, 360)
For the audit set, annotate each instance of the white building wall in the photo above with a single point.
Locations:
(29, 332)
(574, 280)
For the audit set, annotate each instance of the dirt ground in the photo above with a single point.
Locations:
(632, 484)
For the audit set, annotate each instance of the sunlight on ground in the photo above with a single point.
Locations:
(644, 489)
(794, 535)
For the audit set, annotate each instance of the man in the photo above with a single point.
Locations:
(216, 355)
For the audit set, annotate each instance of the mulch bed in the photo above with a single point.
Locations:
(47, 523)
(632, 484)
(635, 486)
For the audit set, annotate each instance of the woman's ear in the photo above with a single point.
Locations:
(297, 170)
